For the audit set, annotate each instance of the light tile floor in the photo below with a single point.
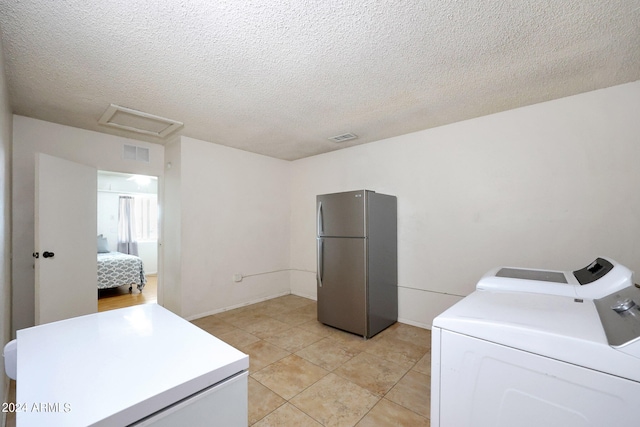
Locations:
(303, 373)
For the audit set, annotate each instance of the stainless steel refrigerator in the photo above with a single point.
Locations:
(357, 256)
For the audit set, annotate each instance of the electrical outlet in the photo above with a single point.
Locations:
(237, 277)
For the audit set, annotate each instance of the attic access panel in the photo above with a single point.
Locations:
(138, 121)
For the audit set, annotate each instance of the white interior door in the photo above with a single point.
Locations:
(65, 239)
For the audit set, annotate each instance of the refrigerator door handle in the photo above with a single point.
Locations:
(320, 227)
(320, 261)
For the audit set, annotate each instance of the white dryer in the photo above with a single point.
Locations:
(533, 348)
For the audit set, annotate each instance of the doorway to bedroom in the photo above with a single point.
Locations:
(127, 240)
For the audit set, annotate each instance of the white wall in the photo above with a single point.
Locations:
(108, 217)
(5, 218)
(148, 253)
(551, 185)
(234, 218)
(95, 149)
(171, 222)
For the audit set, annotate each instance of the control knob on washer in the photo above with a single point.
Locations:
(624, 305)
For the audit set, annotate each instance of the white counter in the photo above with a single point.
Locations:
(116, 367)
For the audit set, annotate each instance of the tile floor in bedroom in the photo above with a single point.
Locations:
(303, 373)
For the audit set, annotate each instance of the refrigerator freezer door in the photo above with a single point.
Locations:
(341, 214)
(342, 296)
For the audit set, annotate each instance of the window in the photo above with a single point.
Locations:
(146, 217)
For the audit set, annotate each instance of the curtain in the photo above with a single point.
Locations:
(126, 226)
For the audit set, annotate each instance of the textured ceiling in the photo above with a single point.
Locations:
(280, 77)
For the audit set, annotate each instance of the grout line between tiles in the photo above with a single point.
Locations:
(265, 313)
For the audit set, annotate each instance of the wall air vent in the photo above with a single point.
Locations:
(344, 137)
(137, 121)
(133, 152)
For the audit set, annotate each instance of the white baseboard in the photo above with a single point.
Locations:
(305, 295)
(244, 304)
(412, 323)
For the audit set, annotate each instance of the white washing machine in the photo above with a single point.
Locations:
(533, 348)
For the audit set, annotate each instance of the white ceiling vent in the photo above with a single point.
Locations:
(344, 137)
(133, 152)
(137, 121)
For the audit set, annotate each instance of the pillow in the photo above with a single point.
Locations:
(103, 245)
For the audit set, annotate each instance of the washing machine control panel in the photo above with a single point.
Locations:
(604, 282)
(620, 316)
(599, 279)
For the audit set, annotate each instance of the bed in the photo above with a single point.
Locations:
(117, 269)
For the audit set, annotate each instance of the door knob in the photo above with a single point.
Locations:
(47, 254)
